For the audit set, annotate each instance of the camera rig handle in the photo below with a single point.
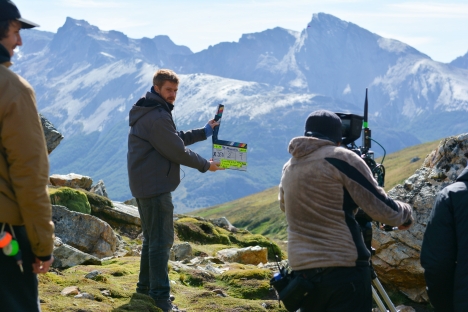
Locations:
(366, 138)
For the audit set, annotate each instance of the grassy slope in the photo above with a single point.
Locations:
(260, 212)
(399, 166)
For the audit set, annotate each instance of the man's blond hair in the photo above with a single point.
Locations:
(163, 75)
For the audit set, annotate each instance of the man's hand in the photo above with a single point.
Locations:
(214, 166)
(40, 267)
(407, 224)
(213, 123)
(404, 227)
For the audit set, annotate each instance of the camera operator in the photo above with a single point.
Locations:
(321, 187)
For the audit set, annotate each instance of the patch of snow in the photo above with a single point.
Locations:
(101, 115)
(391, 45)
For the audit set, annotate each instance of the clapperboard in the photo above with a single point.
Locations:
(231, 155)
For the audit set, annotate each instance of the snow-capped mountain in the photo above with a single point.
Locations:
(87, 79)
(461, 61)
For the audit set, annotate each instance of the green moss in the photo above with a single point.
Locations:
(72, 199)
(98, 200)
(248, 284)
(121, 272)
(190, 229)
(51, 278)
(244, 273)
(100, 278)
(139, 302)
(195, 278)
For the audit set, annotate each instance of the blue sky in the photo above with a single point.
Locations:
(436, 28)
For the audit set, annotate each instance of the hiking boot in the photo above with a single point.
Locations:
(164, 304)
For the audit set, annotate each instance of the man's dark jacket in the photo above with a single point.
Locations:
(156, 149)
(444, 253)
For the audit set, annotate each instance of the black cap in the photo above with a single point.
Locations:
(324, 124)
(9, 11)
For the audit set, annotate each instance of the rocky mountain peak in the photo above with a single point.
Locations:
(461, 61)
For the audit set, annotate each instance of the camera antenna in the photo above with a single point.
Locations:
(366, 138)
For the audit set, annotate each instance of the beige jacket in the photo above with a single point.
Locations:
(321, 187)
(24, 164)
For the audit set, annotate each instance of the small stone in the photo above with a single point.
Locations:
(70, 291)
(267, 305)
(106, 293)
(92, 274)
(219, 292)
(403, 308)
(84, 296)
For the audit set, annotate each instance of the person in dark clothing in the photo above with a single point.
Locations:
(25, 210)
(444, 251)
(155, 152)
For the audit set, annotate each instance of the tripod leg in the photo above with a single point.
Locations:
(384, 295)
(377, 300)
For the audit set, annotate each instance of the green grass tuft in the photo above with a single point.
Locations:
(72, 199)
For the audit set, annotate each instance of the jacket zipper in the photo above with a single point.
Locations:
(170, 165)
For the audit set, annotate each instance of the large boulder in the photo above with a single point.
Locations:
(123, 218)
(84, 232)
(52, 136)
(248, 255)
(72, 180)
(66, 257)
(397, 253)
(181, 251)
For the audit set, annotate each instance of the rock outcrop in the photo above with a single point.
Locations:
(123, 218)
(52, 136)
(67, 256)
(397, 253)
(84, 232)
(248, 255)
(72, 180)
(99, 189)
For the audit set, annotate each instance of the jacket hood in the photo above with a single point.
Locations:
(463, 177)
(4, 55)
(302, 146)
(137, 111)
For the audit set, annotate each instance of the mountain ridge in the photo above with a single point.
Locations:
(86, 81)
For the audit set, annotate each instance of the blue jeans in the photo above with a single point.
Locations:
(157, 220)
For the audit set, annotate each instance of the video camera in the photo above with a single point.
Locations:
(351, 126)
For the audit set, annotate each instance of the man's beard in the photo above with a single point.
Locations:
(170, 100)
